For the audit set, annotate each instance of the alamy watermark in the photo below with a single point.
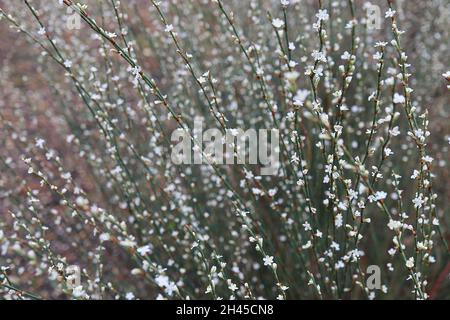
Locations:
(228, 146)
(374, 17)
(373, 282)
(73, 277)
(73, 21)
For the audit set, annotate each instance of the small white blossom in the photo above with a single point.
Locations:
(268, 260)
(398, 98)
(68, 63)
(410, 263)
(390, 13)
(322, 15)
(278, 23)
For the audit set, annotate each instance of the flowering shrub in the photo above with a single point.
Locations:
(93, 206)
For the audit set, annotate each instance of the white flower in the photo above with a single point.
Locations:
(421, 246)
(144, 250)
(339, 265)
(300, 97)
(307, 226)
(135, 70)
(378, 56)
(322, 15)
(104, 237)
(129, 296)
(233, 287)
(162, 281)
(292, 76)
(398, 98)
(394, 131)
(171, 288)
(290, 115)
(66, 176)
(80, 201)
(278, 23)
(285, 2)
(335, 246)
(392, 251)
(390, 13)
(419, 133)
(394, 224)
(41, 31)
(427, 159)
(111, 35)
(259, 71)
(268, 260)
(418, 201)
(68, 63)
(388, 152)
(410, 263)
(378, 196)
(380, 44)
(307, 245)
(168, 28)
(319, 56)
(40, 143)
(346, 55)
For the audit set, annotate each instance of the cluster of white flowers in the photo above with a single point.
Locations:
(88, 180)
